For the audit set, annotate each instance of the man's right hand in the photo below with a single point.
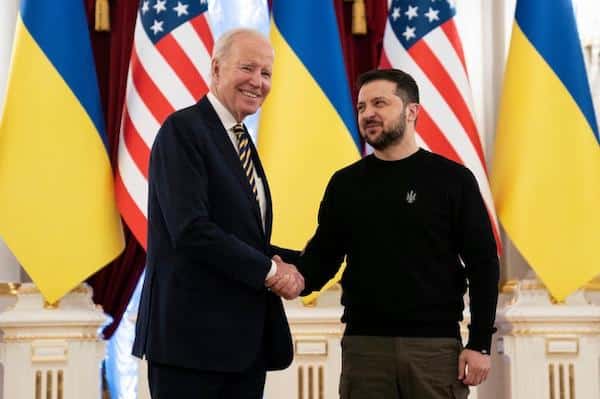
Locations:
(287, 281)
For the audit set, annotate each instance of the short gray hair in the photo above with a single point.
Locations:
(224, 42)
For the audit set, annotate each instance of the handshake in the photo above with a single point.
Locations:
(287, 282)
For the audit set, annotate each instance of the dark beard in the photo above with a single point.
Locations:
(388, 137)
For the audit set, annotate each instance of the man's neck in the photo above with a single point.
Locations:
(226, 117)
(400, 150)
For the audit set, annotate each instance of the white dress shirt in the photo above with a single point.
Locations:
(228, 121)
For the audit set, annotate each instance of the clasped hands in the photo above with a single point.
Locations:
(287, 282)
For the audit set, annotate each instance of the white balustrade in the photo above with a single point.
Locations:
(316, 332)
(315, 372)
(51, 351)
(542, 350)
(552, 350)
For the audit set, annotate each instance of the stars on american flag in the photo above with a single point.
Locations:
(408, 33)
(181, 9)
(412, 12)
(432, 14)
(157, 27)
(160, 17)
(413, 19)
(160, 6)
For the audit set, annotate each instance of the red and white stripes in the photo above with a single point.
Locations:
(162, 78)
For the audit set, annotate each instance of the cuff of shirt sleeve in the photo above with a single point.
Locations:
(480, 341)
(272, 271)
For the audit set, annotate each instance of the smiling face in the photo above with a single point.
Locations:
(241, 76)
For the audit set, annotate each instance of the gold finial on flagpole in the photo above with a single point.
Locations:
(359, 18)
(102, 16)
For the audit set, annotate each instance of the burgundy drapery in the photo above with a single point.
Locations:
(114, 284)
(361, 52)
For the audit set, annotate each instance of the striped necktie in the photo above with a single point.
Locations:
(244, 151)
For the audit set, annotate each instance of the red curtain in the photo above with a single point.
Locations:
(361, 52)
(114, 284)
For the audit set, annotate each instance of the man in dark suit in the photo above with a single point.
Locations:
(207, 324)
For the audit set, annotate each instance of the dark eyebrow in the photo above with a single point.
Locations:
(379, 98)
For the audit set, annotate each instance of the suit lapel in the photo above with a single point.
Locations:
(232, 160)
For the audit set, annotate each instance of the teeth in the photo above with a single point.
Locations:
(249, 94)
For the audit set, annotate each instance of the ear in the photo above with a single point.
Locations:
(412, 112)
(214, 69)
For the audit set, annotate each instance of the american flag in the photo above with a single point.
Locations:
(421, 38)
(169, 70)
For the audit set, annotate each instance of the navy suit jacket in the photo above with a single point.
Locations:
(204, 304)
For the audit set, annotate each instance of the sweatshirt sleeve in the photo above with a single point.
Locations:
(324, 253)
(477, 248)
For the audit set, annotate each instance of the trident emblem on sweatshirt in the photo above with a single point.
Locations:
(411, 197)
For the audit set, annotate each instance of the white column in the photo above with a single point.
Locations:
(51, 352)
(316, 331)
(551, 350)
(9, 267)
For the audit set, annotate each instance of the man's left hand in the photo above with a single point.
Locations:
(473, 367)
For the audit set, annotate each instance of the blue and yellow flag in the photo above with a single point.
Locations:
(57, 208)
(307, 127)
(546, 172)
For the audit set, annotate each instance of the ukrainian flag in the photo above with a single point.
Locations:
(57, 210)
(546, 171)
(307, 127)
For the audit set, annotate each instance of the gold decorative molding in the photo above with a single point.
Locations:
(561, 380)
(593, 285)
(531, 285)
(59, 384)
(311, 388)
(302, 346)
(23, 289)
(49, 378)
(38, 385)
(300, 382)
(28, 289)
(321, 383)
(81, 289)
(9, 288)
(310, 304)
(551, 381)
(49, 351)
(536, 332)
(571, 381)
(510, 287)
(51, 306)
(560, 346)
(71, 337)
(523, 285)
